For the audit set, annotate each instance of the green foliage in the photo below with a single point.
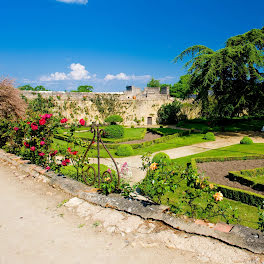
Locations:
(30, 88)
(261, 218)
(246, 140)
(161, 158)
(181, 89)
(114, 119)
(209, 136)
(124, 150)
(195, 196)
(169, 113)
(232, 76)
(114, 131)
(84, 89)
(154, 83)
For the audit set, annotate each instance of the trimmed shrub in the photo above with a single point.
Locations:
(161, 158)
(114, 119)
(124, 150)
(209, 136)
(246, 140)
(114, 131)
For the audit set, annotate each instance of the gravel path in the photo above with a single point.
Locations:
(33, 230)
(36, 228)
(222, 140)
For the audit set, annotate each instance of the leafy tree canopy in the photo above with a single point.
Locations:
(181, 89)
(27, 87)
(84, 89)
(154, 83)
(231, 77)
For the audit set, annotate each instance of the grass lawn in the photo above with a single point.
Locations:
(172, 143)
(129, 134)
(248, 214)
(234, 150)
(229, 125)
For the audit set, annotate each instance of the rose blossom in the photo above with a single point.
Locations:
(48, 168)
(64, 163)
(41, 154)
(28, 123)
(34, 126)
(33, 148)
(16, 128)
(26, 144)
(63, 120)
(82, 122)
(42, 143)
(42, 121)
(74, 153)
(52, 154)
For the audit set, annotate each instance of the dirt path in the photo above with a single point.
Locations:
(222, 140)
(33, 230)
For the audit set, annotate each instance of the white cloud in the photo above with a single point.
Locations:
(81, 2)
(78, 73)
(124, 77)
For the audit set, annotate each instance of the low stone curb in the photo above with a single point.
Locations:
(239, 236)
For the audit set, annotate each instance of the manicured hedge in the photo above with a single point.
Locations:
(161, 158)
(124, 150)
(85, 143)
(236, 194)
(114, 131)
(253, 178)
(242, 196)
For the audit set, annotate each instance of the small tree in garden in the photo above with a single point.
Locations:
(114, 119)
(11, 104)
(169, 113)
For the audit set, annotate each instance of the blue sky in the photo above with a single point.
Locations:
(112, 43)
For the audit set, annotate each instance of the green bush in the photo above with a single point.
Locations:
(209, 136)
(124, 150)
(169, 113)
(246, 140)
(114, 119)
(161, 158)
(114, 131)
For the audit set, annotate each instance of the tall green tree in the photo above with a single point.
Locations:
(181, 89)
(153, 83)
(84, 89)
(28, 87)
(232, 77)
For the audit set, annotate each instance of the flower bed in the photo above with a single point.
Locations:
(236, 194)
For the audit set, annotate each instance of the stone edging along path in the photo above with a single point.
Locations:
(237, 235)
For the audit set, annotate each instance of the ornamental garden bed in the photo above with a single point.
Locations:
(218, 170)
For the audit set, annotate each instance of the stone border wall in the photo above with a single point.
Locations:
(237, 235)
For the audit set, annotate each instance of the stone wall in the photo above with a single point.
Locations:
(137, 108)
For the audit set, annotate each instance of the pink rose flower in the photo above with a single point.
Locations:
(42, 143)
(63, 120)
(26, 144)
(16, 128)
(41, 154)
(48, 168)
(33, 148)
(82, 122)
(42, 121)
(34, 126)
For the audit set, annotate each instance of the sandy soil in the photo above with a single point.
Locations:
(218, 171)
(34, 230)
